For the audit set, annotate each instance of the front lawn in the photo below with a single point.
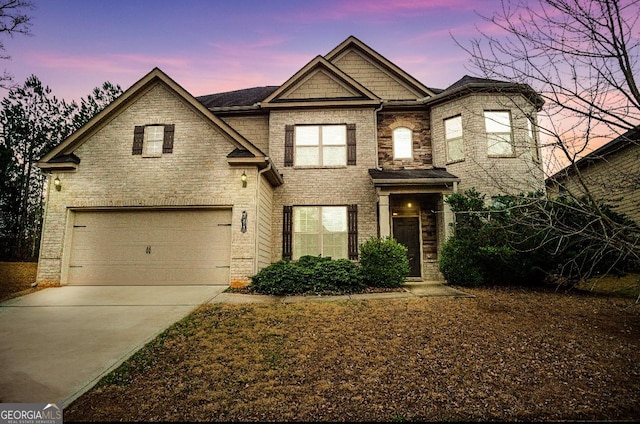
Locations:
(509, 354)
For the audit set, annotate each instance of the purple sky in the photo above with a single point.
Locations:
(211, 46)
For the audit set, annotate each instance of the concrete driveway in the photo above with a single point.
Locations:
(56, 343)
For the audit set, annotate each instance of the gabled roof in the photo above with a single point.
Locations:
(61, 157)
(358, 94)
(354, 44)
(628, 139)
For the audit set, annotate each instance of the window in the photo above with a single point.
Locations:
(453, 137)
(498, 127)
(320, 230)
(152, 140)
(531, 135)
(321, 145)
(402, 143)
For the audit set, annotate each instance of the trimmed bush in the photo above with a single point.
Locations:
(281, 278)
(383, 262)
(308, 275)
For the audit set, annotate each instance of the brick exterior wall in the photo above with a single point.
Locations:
(253, 128)
(614, 180)
(326, 186)
(490, 175)
(109, 176)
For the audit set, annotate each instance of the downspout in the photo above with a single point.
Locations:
(375, 119)
(255, 230)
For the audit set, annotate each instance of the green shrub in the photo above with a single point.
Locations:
(308, 275)
(383, 262)
(459, 263)
(336, 276)
(281, 278)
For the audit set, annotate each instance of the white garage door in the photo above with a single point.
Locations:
(159, 247)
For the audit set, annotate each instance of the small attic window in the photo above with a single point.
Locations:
(153, 140)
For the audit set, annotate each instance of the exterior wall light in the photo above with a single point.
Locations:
(243, 177)
(57, 183)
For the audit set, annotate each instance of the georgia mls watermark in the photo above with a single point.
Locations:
(30, 413)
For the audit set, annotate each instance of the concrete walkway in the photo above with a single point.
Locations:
(412, 290)
(58, 342)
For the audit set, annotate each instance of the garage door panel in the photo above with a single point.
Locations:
(151, 247)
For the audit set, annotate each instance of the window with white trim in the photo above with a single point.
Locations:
(321, 145)
(498, 127)
(320, 230)
(402, 143)
(153, 140)
(453, 138)
(533, 142)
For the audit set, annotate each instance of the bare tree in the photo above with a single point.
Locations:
(581, 56)
(13, 20)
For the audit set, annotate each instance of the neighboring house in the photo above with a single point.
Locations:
(165, 188)
(611, 173)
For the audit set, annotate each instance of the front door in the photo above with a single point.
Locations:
(407, 232)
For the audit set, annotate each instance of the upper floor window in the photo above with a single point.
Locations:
(533, 142)
(153, 140)
(321, 145)
(498, 127)
(453, 138)
(402, 143)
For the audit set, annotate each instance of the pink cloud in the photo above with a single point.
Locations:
(105, 63)
(383, 9)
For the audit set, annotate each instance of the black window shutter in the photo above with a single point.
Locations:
(138, 139)
(287, 232)
(167, 142)
(288, 145)
(351, 144)
(352, 224)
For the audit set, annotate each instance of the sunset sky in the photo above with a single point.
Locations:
(211, 46)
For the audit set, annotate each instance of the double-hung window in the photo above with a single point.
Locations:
(321, 145)
(498, 127)
(320, 230)
(454, 140)
(153, 139)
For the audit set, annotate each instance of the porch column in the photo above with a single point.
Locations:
(383, 212)
(449, 219)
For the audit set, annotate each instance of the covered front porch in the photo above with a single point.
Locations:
(411, 209)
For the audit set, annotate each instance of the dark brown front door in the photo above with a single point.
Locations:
(407, 232)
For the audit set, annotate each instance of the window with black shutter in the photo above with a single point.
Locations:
(153, 140)
(327, 145)
(327, 231)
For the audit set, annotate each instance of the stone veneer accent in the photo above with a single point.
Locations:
(419, 124)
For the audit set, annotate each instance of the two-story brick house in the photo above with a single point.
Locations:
(165, 188)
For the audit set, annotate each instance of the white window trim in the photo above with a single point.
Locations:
(145, 143)
(320, 146)
(319, 233)
(502, 133)
(453, 139)
(396, 155)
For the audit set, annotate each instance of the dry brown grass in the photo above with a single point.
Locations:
(506, 355)
(16, 279)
